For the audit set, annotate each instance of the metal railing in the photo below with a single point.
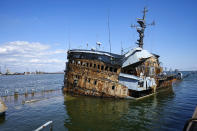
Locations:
(187, 125)
(49, 123)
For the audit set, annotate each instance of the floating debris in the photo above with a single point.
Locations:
(31, 101)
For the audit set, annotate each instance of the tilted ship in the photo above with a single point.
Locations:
(134, 74)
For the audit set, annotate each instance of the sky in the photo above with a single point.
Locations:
(36, 34)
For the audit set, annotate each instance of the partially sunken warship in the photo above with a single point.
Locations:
(134, 74)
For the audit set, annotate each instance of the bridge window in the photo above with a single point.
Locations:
(106, 68)
(141, 84)
(98, 66)
(111, 69)
(87, 64)
(102, 67)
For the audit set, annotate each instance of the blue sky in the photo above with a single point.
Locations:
(34, 34)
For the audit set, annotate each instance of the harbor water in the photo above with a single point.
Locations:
(167, 110)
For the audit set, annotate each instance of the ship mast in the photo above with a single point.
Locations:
(141, 28)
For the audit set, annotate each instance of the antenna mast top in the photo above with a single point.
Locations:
(144, 13)
(141, 28)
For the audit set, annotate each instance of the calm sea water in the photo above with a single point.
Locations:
(167, 110)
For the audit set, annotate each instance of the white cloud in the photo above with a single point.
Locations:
(22, 47)
(23, 55)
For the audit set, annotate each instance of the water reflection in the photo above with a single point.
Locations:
(93, 113)
(96, 114)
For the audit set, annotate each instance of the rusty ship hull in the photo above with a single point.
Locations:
(101, 74)
(87, 75)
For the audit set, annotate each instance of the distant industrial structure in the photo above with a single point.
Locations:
(37, 72)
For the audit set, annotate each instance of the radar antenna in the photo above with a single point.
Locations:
(141, 28)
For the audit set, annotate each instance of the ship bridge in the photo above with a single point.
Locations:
(136, 55)
(103, 56)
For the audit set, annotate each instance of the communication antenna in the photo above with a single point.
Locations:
(141, 27)
(5, 67)
(99, 44)
(109, 33)
(87, 45)
(69, 44)
(69, 37)
(69, 41)
(121, 49)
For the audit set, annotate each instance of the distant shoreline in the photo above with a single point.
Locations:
(31, 74)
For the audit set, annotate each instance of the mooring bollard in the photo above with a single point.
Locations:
(45, 125)
(16, 96)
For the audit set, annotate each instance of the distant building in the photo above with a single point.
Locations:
(8, 72)
(27, 73)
